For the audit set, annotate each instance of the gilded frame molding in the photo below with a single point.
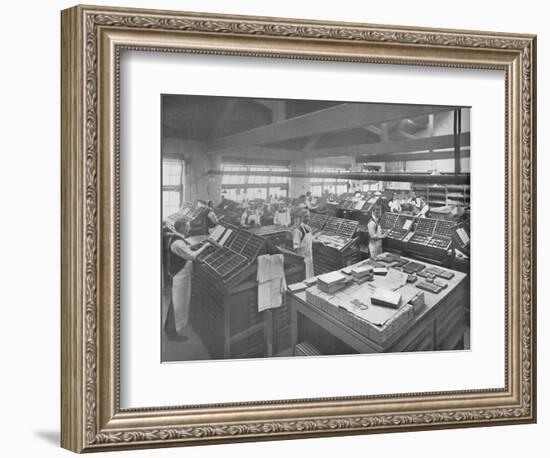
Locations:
(92, 38)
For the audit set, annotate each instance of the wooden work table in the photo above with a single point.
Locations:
(441, 325)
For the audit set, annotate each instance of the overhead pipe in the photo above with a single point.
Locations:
(427, 178)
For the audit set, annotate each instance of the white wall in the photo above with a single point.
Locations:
(29, 242)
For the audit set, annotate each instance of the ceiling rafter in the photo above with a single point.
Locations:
(341, 117)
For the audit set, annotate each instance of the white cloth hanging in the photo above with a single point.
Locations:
(271, 281)
(303, 244)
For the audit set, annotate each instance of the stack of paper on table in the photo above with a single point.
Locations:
(297, 287)
(385, 298)
(380, 271)
(362, 273)
(310, 281)
(331, 282)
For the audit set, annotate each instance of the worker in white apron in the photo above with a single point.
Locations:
(282, 216)
(376, 234)
(395, 204)
(303, 241)
(181, 282)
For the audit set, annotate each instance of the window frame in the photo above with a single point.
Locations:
(179, 188)
(270, 186)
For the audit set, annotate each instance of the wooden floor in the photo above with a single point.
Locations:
(173, 349)
(191, 350)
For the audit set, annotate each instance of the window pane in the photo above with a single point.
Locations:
(170, 203)
(257, 193)
(254, 186)
(316, 190)
(232, 194)
(340, 189)
(171, 172)
(233, 179)
(279, 179)
(258, 179)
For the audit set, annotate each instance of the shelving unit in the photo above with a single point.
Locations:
(335, 246)
(440, 195)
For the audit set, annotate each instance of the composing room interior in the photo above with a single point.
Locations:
(295, 228)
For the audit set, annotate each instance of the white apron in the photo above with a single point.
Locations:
(305, 249)
(375, 246)
(181, 296)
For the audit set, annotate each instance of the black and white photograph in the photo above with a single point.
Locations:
(294, 228)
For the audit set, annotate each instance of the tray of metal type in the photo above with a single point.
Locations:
(358, 205)
(224, 261)
(194, 213)
(461, 238)
(444, 228)
(426, 225)
(348, 227)
(265, 231)
(213, 255)
(413, 267)
(180, 214)
(332, 224)
(420, 238)
(317, 221)
(206, 253)
(388, 220)
(186, 208)
(442, 243)
(227, 224)
(398, 264)
(388, 257)
(404, 222)
(437, 272)
(247, 244)
(331, 240)
(341, 226)
(397, 234)
(430, 287)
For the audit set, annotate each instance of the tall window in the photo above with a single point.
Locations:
(173, 173)
(254, 186)
(332, 185)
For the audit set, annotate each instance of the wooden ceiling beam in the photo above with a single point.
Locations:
(337, 118)
(397, 146)
(373, 129)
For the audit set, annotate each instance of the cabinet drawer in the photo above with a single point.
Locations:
(423, 341)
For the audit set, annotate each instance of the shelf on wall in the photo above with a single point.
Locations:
(443, 194)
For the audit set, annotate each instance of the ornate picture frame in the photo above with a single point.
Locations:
(92, 41)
